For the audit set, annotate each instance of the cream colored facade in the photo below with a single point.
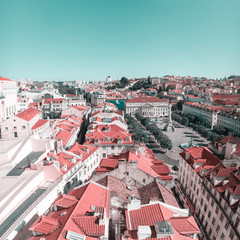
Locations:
(212, 212)
(147, 109)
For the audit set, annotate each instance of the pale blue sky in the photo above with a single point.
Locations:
(91, 39)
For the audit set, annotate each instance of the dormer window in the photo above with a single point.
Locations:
(64, 168)
(126, 139)
(103, 139)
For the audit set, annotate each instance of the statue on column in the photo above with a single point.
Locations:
(169, 126)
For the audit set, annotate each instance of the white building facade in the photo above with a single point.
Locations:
(8, 98)
(151, 107)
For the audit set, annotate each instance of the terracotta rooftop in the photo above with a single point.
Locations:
(39, 123)
(28, 114)
(145, 99)
(5, 79)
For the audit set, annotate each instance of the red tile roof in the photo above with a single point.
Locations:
(108, 134)
(65, 158)
(200, 153)
(66, 201)
(81, 108)
(89, 225)
(148, 163)
(109, 163)
(54, 100)
(5, 79)
(45, 225)
(75, 219)
(145, 100)
(64, 136)
(28, 114)
(150, 214)
(39, 123)
(161, 169)
(184, 225)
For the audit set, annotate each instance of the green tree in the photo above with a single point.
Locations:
(124, 81)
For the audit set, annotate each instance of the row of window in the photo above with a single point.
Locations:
(15, 128)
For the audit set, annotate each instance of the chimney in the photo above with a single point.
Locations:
(134, 205)
(144, 232)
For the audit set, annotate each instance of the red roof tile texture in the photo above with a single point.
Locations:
(28, 114)
(145, 100)
(39, 123)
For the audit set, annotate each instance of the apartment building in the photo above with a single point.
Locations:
(98, 97)
(107, 117)
(211, 191)
(111, 139)
(206, 112)
(151, 107)
(76, 165)
(53, 107)
(8, 98)
(230, 120)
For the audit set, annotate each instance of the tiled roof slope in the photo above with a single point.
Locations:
(77, 217)
(145, 100)
(28, 114)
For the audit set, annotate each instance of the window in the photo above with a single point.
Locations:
(14, 127)
(221, 217)
(144, 180)
(104, 155)
(217, 210)
(205, 207)
(213, 220)
(119, 147)
(212, 203)
(210, 231)
(209, 214)
(15, 134)
(208, 196)
(197, 191)
(201, 201)
(218, 228)
(231, 234)
(226, 225)
(112, 147)
(104, 147)
(222, 236)
(6, 128)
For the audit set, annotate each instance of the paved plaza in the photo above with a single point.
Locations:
(180, 136)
